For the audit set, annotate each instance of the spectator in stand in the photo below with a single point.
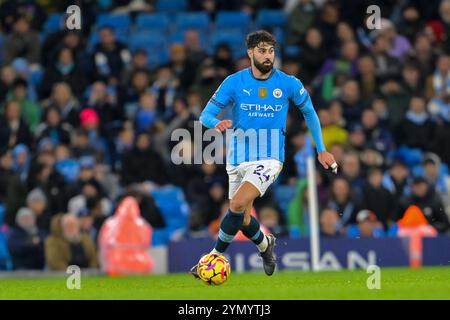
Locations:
(164, 88)
(398, 44)
(13, 129)
(425, 54)
(63, 99)
(378, 136)
(146, 116)
(434, 172)
(335, 72)
(110, 57)
(351, 170)
(139, 61)
(396, 181)
(181, 67)
(429, 202)
(36, 201)
(330, 223)
(412, 82)
(418, 121)
(136, 87)
(312, 55)
(26, 242)
(342, 200)
(386, 65)
(22, 42)
(63, 69)
(357, 138)
(54, 128)
(367, 226)
(68, 246)
(367, 78)
(377, 199)
(301, 19)
(7, 77)
(147, 205)
(195, 54)
(439, 144)
(30, 111)
(411, 23)
(142, 163)
(440, 103)
(103, 100)
(272, 219)
(352, 104)
(331, 132)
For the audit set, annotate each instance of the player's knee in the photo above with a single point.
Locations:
(238, 204)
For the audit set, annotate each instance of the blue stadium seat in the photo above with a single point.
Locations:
(292, 51)
(116, 21)
(233, 38)
(192, 20)
(36, 76)
(147, 39)
(279, 35)
(233, 20)
(270, 19)
(53, 23)
(153, 21)
(156, 58)
(175, 210)
(171, 5)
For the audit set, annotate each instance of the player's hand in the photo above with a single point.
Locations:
(223, 125)
(326, 159)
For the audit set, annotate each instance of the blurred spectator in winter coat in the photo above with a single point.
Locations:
(377, 199)
(63, 69)
(13, 129)
(37, 202)
(416, 121)
(142, 163)
(68, 246)
(26, 242)
(22, 42)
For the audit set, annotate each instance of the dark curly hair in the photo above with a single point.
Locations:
(255, 38)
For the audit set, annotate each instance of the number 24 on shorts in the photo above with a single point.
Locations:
(265, 174)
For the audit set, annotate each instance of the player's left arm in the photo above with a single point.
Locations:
(303, 101)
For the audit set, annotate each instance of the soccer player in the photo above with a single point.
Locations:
(260, 97)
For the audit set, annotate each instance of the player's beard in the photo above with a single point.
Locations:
(264, 68)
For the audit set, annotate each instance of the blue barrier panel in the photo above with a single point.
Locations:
(336, 254)
(436, 251)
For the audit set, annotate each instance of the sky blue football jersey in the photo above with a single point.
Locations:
(259, 111)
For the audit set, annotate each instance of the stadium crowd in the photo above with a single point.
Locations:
(86, 118)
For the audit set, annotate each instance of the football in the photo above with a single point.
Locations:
(213, 269)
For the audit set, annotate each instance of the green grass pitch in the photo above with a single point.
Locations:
(396, 283)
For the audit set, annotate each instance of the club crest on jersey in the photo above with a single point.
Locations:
(277, 93)
(262, 92)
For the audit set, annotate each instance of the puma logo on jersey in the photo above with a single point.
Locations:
(247, 91)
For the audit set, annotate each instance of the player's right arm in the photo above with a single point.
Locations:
(221, 98)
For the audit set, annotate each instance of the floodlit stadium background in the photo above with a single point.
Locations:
(86, 118)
